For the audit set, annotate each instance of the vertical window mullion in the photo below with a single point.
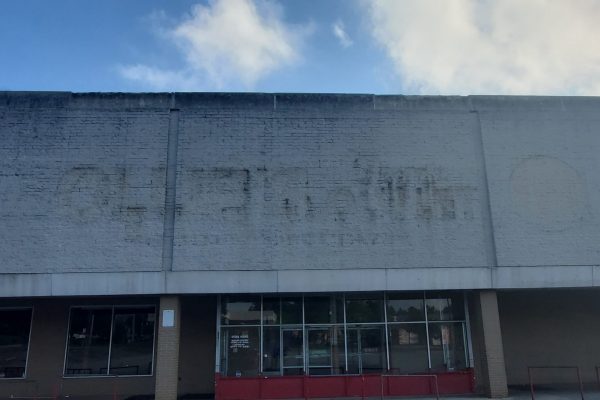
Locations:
(385, 321)
(345, 334)
(112, 324)
(467, 338)
(29, 343)
(261, 337)
(67, 342)
(304, 340)
(218, 340)
(427, 330)
(281, 336)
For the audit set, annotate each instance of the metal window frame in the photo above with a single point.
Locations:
(304, 327)
(32, 308)
(112, 307)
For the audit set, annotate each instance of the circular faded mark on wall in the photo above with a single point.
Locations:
(549, 192)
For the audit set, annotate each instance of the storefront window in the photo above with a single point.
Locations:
(14, 340)
(293, 351)
(366, 349)
(325, 350)
(364, 308)
(89, 341)
(241, 351)
(271, 350)
(445, 307)
(405, 307)
(323, 310)
(342, 334)
(291, 310)
(271, 310)
(132, 341)
(240, 310)
(447, 346)
(408, 348)
(124, 333)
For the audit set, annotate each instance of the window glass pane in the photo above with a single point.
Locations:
(325, 350)
(132, 341)
(291, 310)
(372, 349)
(240, 310)
(405, 307)
(271, 350)
(240, 351)
(408, 348)
(323, 309)
(445, 307)
(366, 349)
(447, 346)
(14, 339)
(365, 308)
(89, 336)
(293, 351)
(271, 311)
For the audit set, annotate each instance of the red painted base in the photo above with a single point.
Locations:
(312, 387)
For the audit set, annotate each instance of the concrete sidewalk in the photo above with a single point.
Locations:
(522, 394)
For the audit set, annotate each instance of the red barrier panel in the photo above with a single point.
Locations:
(314, 387)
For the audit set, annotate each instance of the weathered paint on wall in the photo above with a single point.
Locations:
(296, 193)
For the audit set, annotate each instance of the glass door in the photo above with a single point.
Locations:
(366, 349)
(319, 348)
(293, 351)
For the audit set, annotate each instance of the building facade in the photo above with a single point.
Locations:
(275, 246)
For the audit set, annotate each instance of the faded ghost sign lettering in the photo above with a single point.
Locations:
(237, 342)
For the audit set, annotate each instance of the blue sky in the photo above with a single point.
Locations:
(354, 46)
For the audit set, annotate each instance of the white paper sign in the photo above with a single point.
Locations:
(168, 318)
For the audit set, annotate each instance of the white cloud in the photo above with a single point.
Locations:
(340, 33)
(159, 79)
(489, 46)
(225, 42)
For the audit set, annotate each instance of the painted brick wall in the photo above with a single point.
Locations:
(82, 183)
(293, 182)
(328, 183)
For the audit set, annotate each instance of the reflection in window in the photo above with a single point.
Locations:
(132, 341)
(325, 350)
(14, 339)
(291, 310)
(408, 348)
(89, 343)
(405, 307)
(366, 349)
(240, 310)
(447, 346)
(445, 308)
(330, 334)
(293, 351)
(271, 352)
(271, 311)
(241, 351)
(323, 310)
(364, 308)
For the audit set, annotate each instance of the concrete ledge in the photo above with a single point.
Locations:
(296, 281)
(543, 277)
(99, 283)
(25, 285)
(439, 278)
(221, 282)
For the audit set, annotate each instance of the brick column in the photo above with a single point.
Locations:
(167, 349)
(490, 371)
